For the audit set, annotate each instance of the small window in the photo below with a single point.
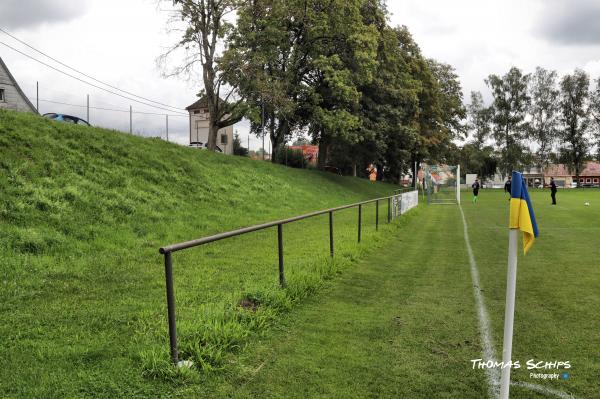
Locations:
(588, 180)
(2, 95)
(595, 180)
(581, 180)
(223, 139)
(196, 111)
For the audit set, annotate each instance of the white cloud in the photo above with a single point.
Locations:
(20, 14)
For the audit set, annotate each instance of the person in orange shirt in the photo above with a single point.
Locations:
(372, 172)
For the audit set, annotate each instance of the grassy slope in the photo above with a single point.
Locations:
(403, 323)
(82, 214)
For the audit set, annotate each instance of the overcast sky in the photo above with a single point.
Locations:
(118, 42)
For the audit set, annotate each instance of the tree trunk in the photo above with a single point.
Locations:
(278, 136)
(354, 168)
(323, 154)
(213, 130)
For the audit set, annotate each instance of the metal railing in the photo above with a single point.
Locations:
(168, 250)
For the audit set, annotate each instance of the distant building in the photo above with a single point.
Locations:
(199, 128)
(310, 152)
(562, 176)
(565, 177)
(11, 95)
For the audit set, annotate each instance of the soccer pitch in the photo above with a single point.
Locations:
(405, 322)
(558, 283)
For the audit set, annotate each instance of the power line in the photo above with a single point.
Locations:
(84, 74)
(106, 109)
(86, 82)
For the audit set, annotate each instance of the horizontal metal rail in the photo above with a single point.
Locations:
(169, 249)
(244, 230)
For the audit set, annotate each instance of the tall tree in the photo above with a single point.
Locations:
(595, 114)
(544, 112)
(388, 105)
(479, 119)
(575, 119)
(303, 60)
(204, 25)
(511, 101)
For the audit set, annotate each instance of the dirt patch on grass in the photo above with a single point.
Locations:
(248, 304)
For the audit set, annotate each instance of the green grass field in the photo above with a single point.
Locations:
(84, 211)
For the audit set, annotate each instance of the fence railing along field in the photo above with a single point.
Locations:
(393, 210)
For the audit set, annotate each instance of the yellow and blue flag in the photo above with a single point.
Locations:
(521, 211)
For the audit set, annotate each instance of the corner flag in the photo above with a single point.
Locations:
(523, 219)
(521, 211)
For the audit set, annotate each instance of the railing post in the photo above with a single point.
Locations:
(280, 247)
(331, 233)
(389, 209)
(171, 307)
(377, 215)
(359, 220)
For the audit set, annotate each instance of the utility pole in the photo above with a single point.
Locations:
(88, 109)
(130, 119)
(248, 143)
(37, 97)
(167, 127)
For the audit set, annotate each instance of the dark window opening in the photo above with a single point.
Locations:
(2, 95)
(223, 139)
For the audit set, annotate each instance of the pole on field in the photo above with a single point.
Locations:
(130, 119)
(415, 177)
(377, 215)
(331, 233)
(458, 184)
(167, 116)
(248, 143)
(359, 220)
(37, 97)
(509, 313)
(263, 128)
(88, 108)
(171, 308)
(282, 283)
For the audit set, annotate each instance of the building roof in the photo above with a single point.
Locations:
(591, 169)
(557, 170)
(16, 85)
(201, 103)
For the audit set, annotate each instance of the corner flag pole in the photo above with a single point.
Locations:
(509, 313)
(522, 219)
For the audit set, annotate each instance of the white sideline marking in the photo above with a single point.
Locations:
(542, 389)
(493, 374)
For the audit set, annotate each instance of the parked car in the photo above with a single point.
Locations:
(199, 144)
(66, 118)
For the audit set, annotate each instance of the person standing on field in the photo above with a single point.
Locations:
(475, 186)
(508, 186)
(553, 190)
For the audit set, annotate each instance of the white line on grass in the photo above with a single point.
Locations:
(493, 374)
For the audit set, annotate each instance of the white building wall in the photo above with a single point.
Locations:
(199, 131)
(12, 98)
